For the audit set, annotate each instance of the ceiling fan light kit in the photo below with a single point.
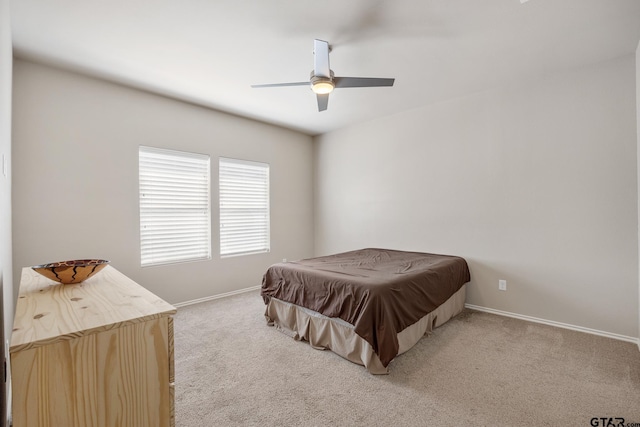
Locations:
(323, 81)
(322, 85)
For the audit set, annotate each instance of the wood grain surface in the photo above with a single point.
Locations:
(48, 311)
(113, 378)
(95, 354)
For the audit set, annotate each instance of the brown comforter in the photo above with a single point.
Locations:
(379, 291)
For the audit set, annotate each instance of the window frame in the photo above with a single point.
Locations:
(255, 171)
(179, 209)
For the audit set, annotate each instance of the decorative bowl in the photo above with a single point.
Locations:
(70, 272)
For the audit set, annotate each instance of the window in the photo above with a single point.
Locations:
(175, 224)
(244, 207)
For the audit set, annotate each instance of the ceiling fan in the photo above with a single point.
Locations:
(323, 81)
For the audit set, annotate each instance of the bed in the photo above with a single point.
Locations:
(368, 305)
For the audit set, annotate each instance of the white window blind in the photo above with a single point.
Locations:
(175, 223)
(244, 207)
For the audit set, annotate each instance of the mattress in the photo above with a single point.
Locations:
(378, 293)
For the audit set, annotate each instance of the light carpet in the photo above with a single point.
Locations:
(478, 369)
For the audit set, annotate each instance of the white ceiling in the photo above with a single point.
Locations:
(210, 51)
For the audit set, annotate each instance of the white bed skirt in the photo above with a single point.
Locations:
(339, 336)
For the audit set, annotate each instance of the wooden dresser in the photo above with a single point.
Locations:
(94, 354)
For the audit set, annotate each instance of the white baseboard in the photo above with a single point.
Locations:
(556, 324)
(214, 297)
(471, 306)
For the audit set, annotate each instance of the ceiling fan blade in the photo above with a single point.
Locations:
(282, 84)
(321, 58)
(362, 82)
(323, 101)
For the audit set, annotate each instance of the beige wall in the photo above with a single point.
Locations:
(75, 192)
(6, 276)
(533, 183)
